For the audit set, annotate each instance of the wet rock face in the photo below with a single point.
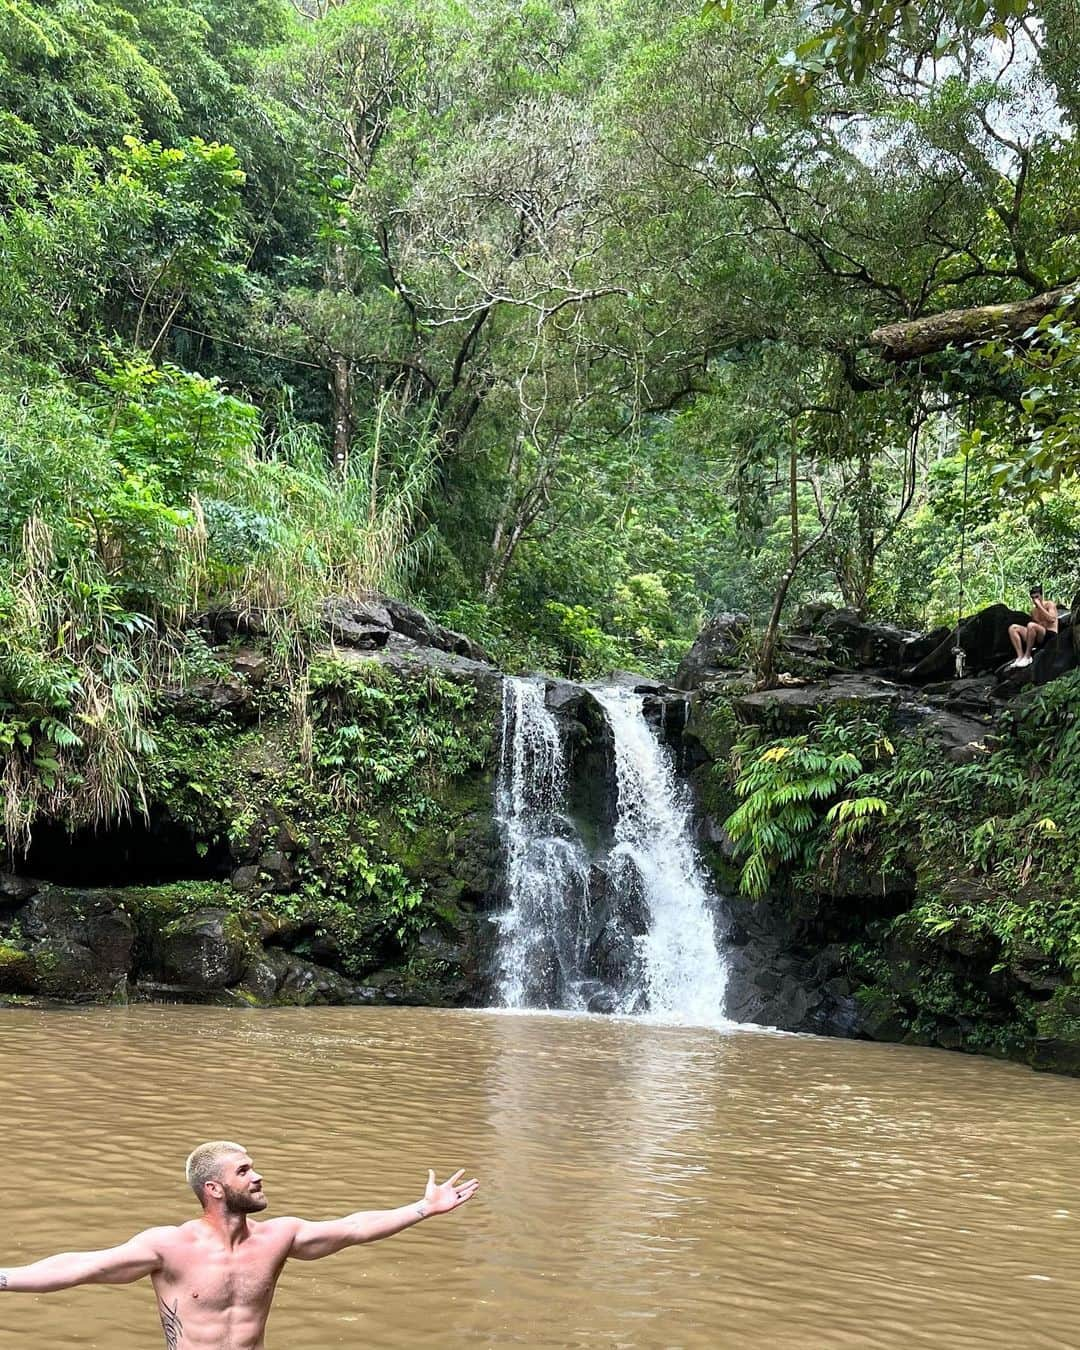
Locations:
(75, 945)
(717, 648)
(202, 951)
(589, 746)
(618, 917)
(783, 972)
(283, 977)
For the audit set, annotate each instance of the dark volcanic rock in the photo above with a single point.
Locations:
(225, 625)
(784, 971)
(227, 694)
(878, 645)
(808, 618)
(984, 638)
(16, 890)
(370, 623)
(666, 708)
(793, 708)
(202, 951)
(1057, 655)
(303, 982)
(717, 648)
(798, 704)
(920, 647)
(407, 658)
(81, 943)
(589, 746)
(414, 624)
(362, 624)
(805, 646)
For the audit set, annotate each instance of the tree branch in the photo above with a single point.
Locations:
(913, 338)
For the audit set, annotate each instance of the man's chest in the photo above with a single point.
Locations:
(218, 1281)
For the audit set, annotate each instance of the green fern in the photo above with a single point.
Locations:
(783, 788)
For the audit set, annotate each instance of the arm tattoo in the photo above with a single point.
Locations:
(171, 1324)
(3, 1279)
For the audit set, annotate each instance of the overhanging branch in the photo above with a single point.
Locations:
(961, 327)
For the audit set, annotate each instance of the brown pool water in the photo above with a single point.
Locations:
(642, 1185)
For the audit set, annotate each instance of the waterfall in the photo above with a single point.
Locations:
(626, 925)
(547, 867)
(684, 974)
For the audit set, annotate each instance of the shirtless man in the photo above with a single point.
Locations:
(1026, 637)
(215, 1277)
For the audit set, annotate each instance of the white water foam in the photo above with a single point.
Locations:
(684, 972)
(547, 867)
(680, 975)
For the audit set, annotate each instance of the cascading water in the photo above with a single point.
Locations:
(626, 926)
(684, 974)
(547, 866)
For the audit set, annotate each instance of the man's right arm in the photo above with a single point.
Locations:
(116, 1265)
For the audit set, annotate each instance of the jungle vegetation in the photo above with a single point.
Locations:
(573, 320)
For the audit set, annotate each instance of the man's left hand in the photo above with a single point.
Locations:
(442, 1198)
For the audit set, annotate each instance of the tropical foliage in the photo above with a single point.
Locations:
(558, 317)
(994, 844)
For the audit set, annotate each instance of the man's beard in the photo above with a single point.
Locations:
(244, 1202)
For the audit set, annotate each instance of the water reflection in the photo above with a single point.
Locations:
(643, 1186)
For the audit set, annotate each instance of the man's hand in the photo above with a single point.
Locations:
(310, 1241)
(441, 1199)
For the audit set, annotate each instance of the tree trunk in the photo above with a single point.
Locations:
(766, 659)
(793, 493)
(959, 327)
(867, 540)
(341, 383)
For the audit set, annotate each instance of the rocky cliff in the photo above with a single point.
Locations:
(334, 839)
(951, 919)
(323, 840)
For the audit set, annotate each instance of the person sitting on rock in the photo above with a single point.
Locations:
(1026, 637)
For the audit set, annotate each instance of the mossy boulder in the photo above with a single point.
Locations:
(203, 951)
(16, 970)
(81, 943)
(424, 981)
(720, 646)
(1057, 1033)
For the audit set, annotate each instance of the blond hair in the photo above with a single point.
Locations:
(204, 1163)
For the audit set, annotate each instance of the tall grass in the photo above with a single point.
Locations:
(128, 508)
(315, 532)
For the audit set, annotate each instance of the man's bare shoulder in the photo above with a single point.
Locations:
(283, 1226)
(171, 1234)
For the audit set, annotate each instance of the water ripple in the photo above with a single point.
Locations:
(643, 1186)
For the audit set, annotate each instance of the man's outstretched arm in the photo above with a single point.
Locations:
(313, 1240)
(116, 1265)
